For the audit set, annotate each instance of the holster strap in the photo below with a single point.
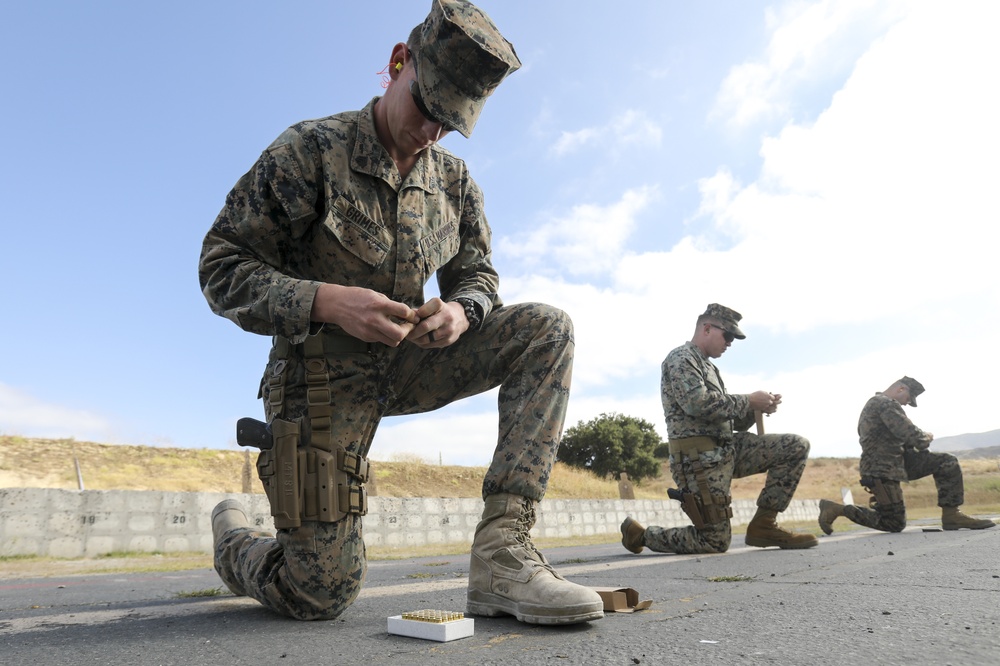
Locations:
(318, 395)
(719, 513)
(353, 464)
(327, 491)
(353, 499)
(276, 379)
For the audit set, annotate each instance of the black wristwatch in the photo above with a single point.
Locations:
(471, 312)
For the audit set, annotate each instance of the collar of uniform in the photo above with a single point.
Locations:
(696, 350)
(370, 157)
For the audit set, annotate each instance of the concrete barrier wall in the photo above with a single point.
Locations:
(69, 523)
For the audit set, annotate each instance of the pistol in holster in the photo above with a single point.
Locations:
(304, 482)
(690, 504)
(701, 515)
(881, 492)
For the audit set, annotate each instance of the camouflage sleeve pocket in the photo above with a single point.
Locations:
(296, 196)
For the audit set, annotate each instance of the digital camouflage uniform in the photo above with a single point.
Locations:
(696, 404)
(895, 450)
(326, 204)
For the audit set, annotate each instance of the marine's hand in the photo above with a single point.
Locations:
(441, 324)
(364, 314)
(765, 402)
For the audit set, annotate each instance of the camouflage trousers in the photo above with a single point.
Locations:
(783, 457)
(918, 464)
(316, 571)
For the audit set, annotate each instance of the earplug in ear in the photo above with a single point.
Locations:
(386, 79)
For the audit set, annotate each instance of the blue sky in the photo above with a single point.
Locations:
(828, 169)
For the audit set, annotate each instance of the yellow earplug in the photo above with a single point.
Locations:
(399, 66)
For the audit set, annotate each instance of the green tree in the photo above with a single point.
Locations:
(662, 450)
(612, 443)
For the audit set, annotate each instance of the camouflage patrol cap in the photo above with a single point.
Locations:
(728, 318)
(914, 387)
(461, 59)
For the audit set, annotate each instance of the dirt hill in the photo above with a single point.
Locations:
(46, 463)
(969, 441)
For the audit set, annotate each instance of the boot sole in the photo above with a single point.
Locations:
(950, 528)
(827, 527)
(624, 529)
(491, 605)
(784, 545)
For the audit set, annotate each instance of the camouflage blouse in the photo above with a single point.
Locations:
(325, 203)
(695, 401)
(885, 432)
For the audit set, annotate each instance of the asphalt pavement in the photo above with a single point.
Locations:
(861, 597)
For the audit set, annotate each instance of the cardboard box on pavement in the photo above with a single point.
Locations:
(621, 599)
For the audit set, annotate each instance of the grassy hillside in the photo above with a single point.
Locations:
(45, 463)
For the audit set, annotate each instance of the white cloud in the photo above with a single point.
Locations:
(884, 205)
(615, 331)
(823, 402)
(645, 406)
(572, 141)
(630, 128)
(880, 214)
(633, 128)
(810, 43)
(466, 433)
(25, 415)
(461, 434)
(588, 241)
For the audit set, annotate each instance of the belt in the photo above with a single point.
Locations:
(345, 344)
(333, 343)
(692, 445)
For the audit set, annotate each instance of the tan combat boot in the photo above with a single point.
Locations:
(829, 512)
(763, 531)
(508, 575)
(226, 516)
(632, 534)
(953, 519)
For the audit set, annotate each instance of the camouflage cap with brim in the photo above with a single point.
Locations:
(728, 318)
(914, 387)
(461, 59)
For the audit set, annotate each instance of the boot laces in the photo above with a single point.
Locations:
(522, 532)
